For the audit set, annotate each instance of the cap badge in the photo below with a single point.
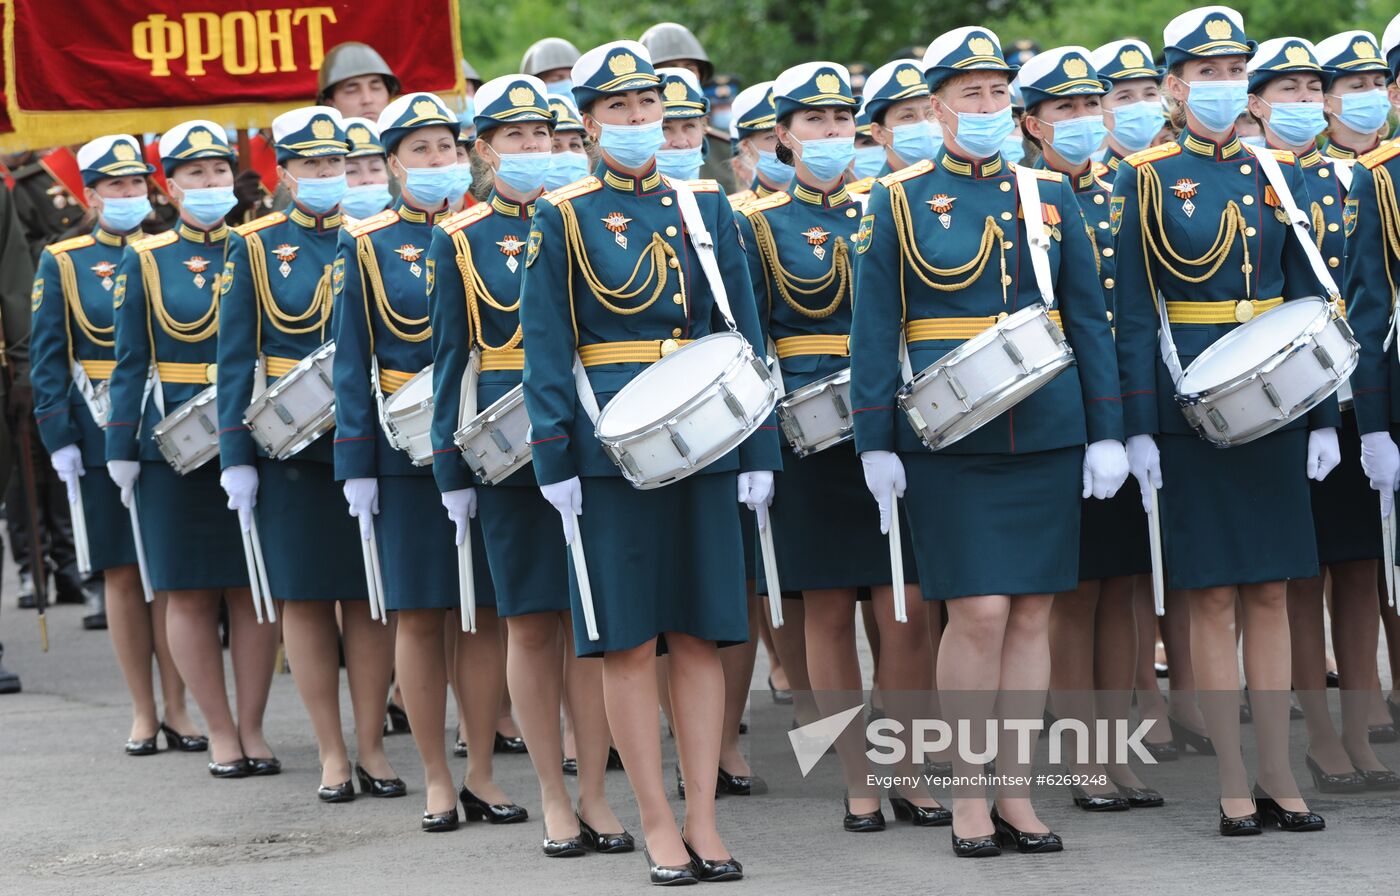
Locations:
(981, 46)
(1131, 58)
(1219, 29)
(521, 96)
(622, 64)
(1076, 67)
(828, 83)
(908, 77)
(123, 151)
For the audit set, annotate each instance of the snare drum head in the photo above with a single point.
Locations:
(655, 392)
(418, 389)
(1249, 346)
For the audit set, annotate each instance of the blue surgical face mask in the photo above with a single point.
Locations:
(720, 118)
(123, 214)
(683, 164)
(1013, 149)
(463, 181)
(870, 161)
(208, 205)
(773, 171)
(1216, 104)
(632, 146)
(1136, 125)
(982, 134)
(829, 157)
(1255, 140)
(1365, 112)
(562, 87)
(916, 141)
(365, 200)
(565, 168)
(1076, 139)
(523, 172)
(319, 195)
(431, 187)
(1296, 124)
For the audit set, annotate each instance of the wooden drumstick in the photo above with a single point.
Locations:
(263, 587)
(585, 589)
(1388, 554)
(466, 583)
(770, 572)
(1154, 538)
(254, 586)
(369, 580)
(81, 545)
(377, 576)
(140, 551)
(901, 613)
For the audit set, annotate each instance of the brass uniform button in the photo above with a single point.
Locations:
(1332, 228)
(665, 200)
(678, 299)
(1323, 172)
(850, 213)
(1245, 169)
(1006, 216)
(1328, 200)
(211, 373)
(1098, 199)
(1005, 187)
(1108, 283)
(1333, 262)
(676, 331)
(1103, 225)
(1250, 231)
(1002, 316)
(1006, 280)
(1110, 315)
(671, 231)
(1244, 311)
(668, 346)
(1248, 200)
(1008, 245)
(1108, 252)
(1247, 268)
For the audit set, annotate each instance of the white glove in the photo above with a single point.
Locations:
(125, 473)
(756, 491)
(1380, 461)
(461, 509)
(1105, 469)
(240, 483)
(68, 464)
(567, 498)
(883, 472)
(363, 497)
(1323, 453)
(1145, 463)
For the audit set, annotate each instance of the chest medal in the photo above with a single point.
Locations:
(105, 270)
(411, 253)
(616, 223)
(287, 254)
(1184, 190)
(816, 237)
(942, 206)
(510, 247)
(198, 265)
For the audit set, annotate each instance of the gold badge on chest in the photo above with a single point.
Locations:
(617, 223)
(286, 254)
(198, 265)
(511, 246)
(106, 270)
(942, 206)
(411, 253)
(816, 238)
(1184, 190)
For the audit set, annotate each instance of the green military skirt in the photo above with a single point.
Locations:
(418, 548)
(524, 545)
(1346, 510)
(662, 560)
(994, 523)
(108, 522)
(1113, 536)
(1237, 516)
(309, 540)
(826, 525)
(192, 539)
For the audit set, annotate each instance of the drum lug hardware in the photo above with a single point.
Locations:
(501, 441)
(791, 428)
(1217, 419)
(1323, 357)
(1272, 394)
(764, 374)
(842, 410)
(283, 414)
(1015, 353)
(629, 464)
(208, 426)
(731, 402)
(325, 379)
(958, 391)
(917, 419)
(681, 447)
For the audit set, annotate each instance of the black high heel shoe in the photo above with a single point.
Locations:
(1382, 734)
(604, 843)
(507, 744)
(1243, 826)
(478, 809)
(343, 792)
(713, 870)
(570, 766)
(459, 748)
(441, 821)
(1165, 751)
(1141, 797)
(567, 848)
(1346, 782)
(145, 746)
(1025, 842)
(739, 785)
(670, 875)
(983, 847)
(920, 816)
(614, 760)
(1185, 738)
(867, 823)
(779, 696)
(184, 743)
(1380, 779)
(396, 719)
(1099, 802)
(264, 766)
(1295, 822)
(384, 788)
(238, 768)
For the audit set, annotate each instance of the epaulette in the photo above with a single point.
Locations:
(772, 200)
(374, 222)
(864, 185)
(467, 216)
(257, 224)
(155, 241)
(68, 245)
(1381, 154)
(742, 196)
(1041, 173)
(1103, 176)
(903, 174)
(704, 185)
(1153, 153)
(589, 184)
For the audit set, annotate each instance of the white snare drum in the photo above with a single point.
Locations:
(818, 415)
(497, 442)
(189, 437)
(1267, 372)
(985, 376)
(297, 409)
(687, 410)
(408, 417)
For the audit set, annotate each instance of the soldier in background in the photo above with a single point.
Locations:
(674, 46)
(356, 81)
(551, 59)
(16, 278)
